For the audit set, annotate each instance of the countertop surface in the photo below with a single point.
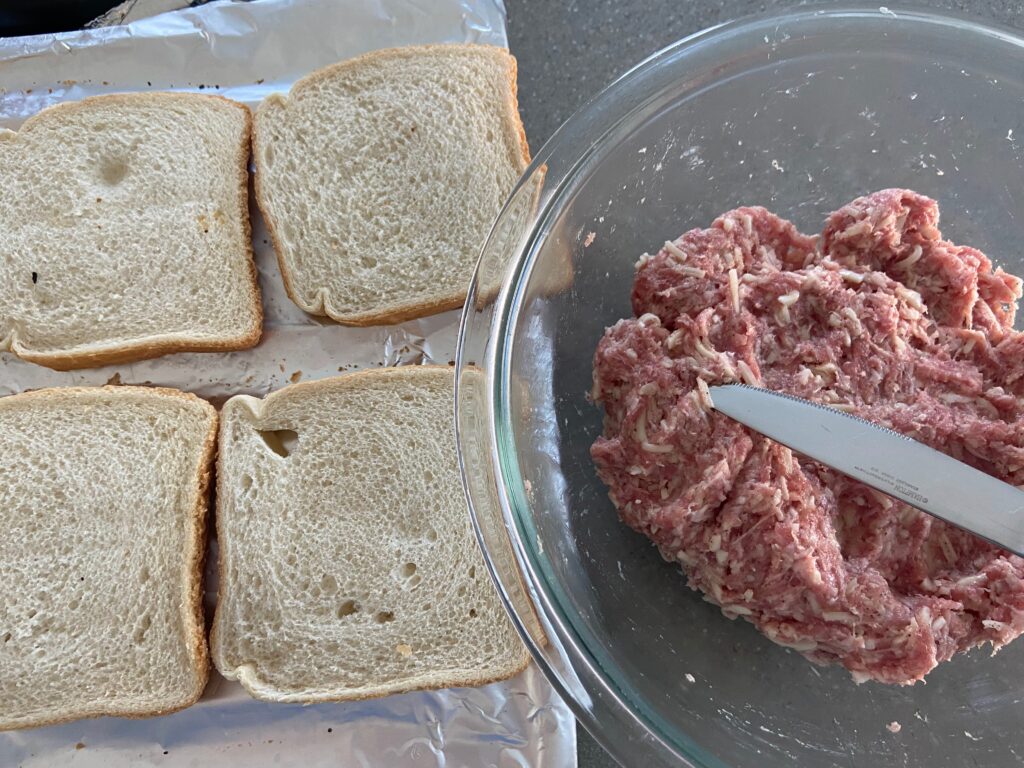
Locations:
(569, 49)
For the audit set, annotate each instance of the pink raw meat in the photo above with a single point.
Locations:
(880, 317)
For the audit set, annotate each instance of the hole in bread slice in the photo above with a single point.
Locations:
(280, 441)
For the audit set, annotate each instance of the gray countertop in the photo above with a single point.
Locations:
(568, 50)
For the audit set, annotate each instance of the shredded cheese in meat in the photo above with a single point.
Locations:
(860, 228)
(704, 351)
(911, 260)
(891, 323)
(787, 460)
(855, 327)
(747, 373)
(675, 250)
(640, 430)
(851, 277)
(705, 394)
(789, 299)
(655, 448)
(913, 298)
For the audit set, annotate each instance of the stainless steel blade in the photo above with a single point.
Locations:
(888, 461)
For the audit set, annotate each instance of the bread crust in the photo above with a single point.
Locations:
(192, 613)
(411, 310)
(144, 348)
(249, 679)
(268, 693)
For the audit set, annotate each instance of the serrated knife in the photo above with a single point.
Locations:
(883, 459)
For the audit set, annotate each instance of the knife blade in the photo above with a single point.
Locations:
(883, 459)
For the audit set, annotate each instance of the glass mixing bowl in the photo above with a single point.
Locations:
(799, 113)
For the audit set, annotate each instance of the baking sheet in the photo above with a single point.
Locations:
(244, 51)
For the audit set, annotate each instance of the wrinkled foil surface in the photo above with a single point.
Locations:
(245, 51)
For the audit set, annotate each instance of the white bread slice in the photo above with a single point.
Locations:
(103, 496)
(380, 178)
(348, 567)
(124, 231)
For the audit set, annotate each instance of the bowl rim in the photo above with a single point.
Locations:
(642, 733)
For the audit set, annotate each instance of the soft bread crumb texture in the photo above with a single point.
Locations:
(380, 178)
(124, 230)
(102, 508)
(349, 568)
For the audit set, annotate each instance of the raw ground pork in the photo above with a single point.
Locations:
(879, 316)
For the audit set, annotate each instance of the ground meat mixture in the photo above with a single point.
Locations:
(879, 316)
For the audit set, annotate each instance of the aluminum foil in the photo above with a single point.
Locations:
(246, 51)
